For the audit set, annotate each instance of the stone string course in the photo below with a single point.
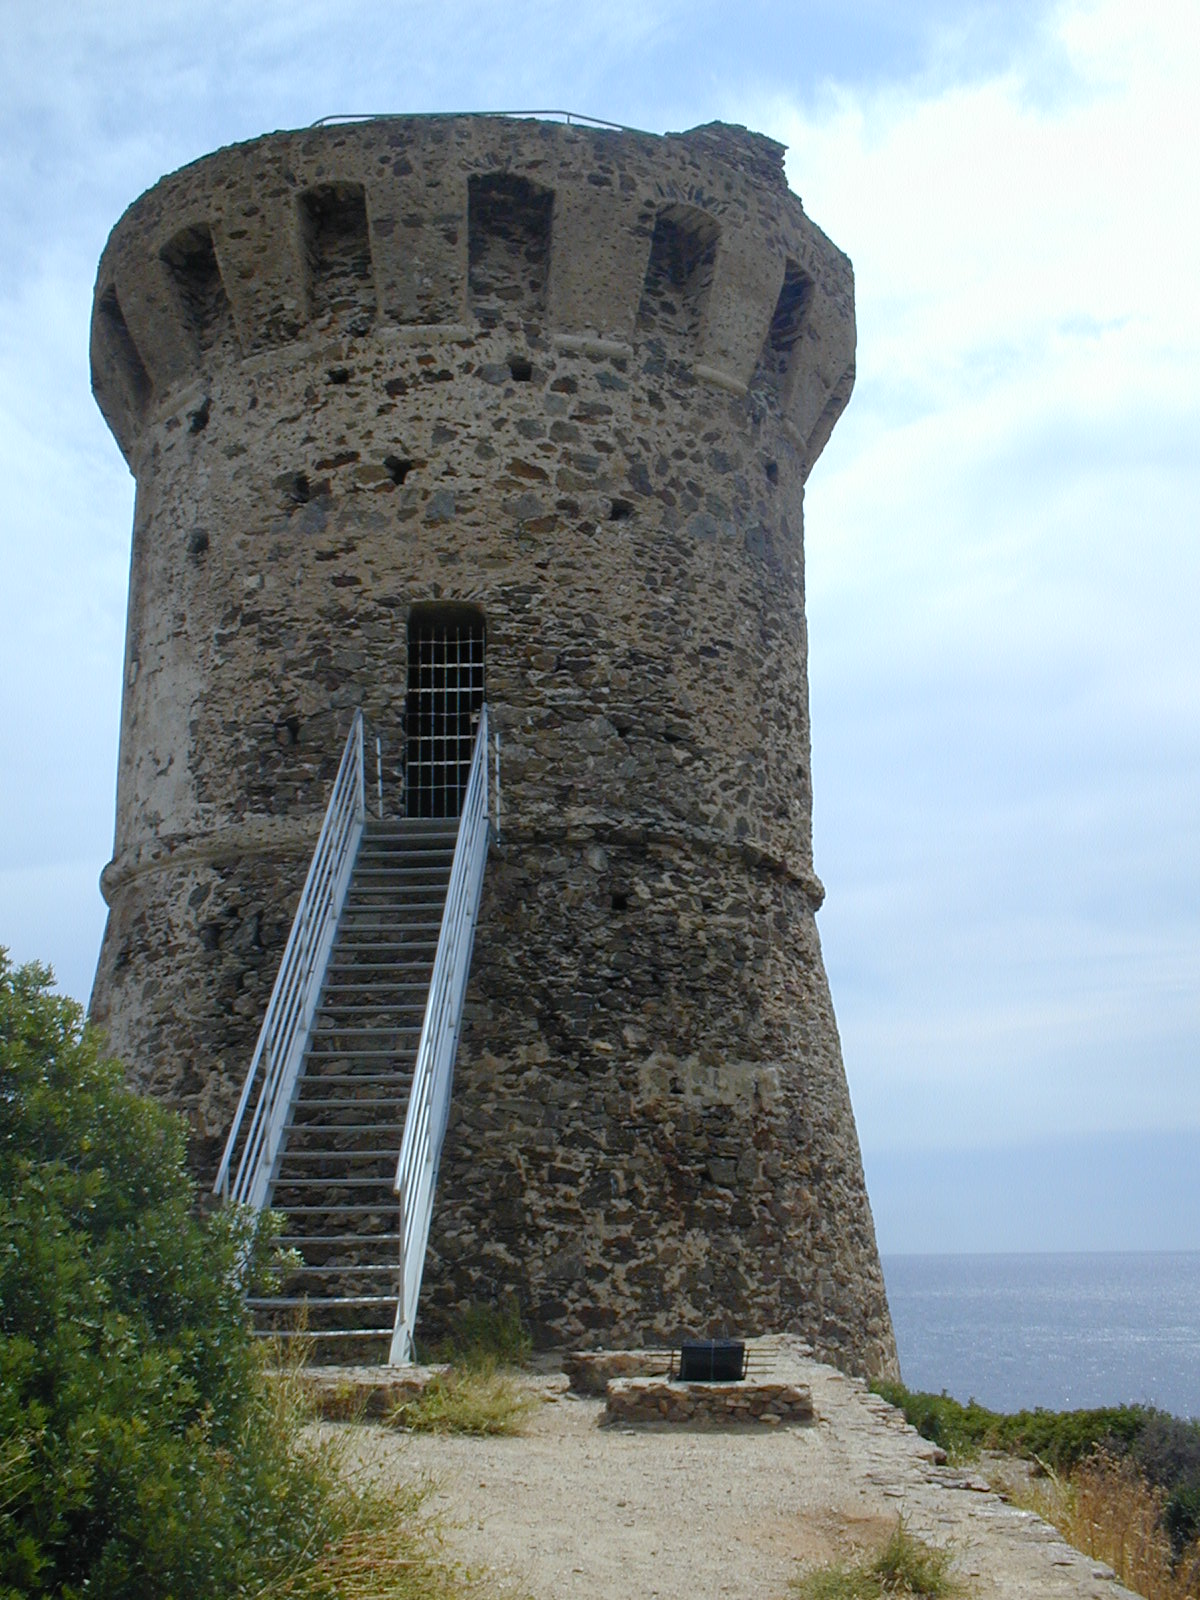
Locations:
(575, 379)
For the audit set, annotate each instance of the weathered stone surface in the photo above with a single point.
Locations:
(349, 1394)
(589, 1371)
(511, 365)
(655, 1400)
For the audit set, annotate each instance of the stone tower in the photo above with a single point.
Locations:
(565, 385)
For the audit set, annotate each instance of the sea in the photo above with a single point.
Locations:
(1061, 1331)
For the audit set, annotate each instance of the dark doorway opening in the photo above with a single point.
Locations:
(441, 713)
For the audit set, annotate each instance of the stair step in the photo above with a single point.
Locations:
(280, 1302)
(399, 902)
(322, 1333)
(355, 1011)
(320, 1239)
(336, 966)
(389, 1156)
(419, 827)
(340, 1210)
(346, 1182)
(370, 880)
(350, 1268)
(380, 946)
(359, 1055)
(305, 1132)
(380, 1130)
(432, 848)
(347, 1080)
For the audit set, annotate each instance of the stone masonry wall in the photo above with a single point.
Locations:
(575, 378)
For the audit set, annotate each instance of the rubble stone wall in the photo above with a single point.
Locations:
(575, 378)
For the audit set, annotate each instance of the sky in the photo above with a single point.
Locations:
(1002, 562)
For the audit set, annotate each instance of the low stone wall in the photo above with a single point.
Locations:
(352, 1394)
(641, 1400)
(589, 1371)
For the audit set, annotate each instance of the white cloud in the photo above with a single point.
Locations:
(1002, 578)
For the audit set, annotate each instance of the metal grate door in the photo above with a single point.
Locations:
(445, 692)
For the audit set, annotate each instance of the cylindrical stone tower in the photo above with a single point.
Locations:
(565, 383)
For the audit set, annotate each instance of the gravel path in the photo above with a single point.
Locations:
(575, 1511)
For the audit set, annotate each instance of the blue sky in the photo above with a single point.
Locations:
(1001, 539)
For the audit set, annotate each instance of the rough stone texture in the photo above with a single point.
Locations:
(654, 1400)
(352, 1394)
(590, 1371)
(575, 378)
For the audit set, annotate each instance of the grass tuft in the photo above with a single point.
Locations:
(906, 1566)
(477, 1399)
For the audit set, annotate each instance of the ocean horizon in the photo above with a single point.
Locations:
(1063, 1330)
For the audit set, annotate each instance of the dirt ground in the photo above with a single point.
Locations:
(573, 1510)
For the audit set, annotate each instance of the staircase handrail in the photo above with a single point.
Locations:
(283, 1037)
(433, 1075)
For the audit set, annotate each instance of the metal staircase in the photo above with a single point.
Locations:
(337, 1158)
(341, 1122)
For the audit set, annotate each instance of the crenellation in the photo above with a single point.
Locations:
(508, 248)
(190, 258)
(741, 302)
(279, 248)
(679, 274)
(599, 262)
(258, 239)
(333, 225)
(419, 246)
(120, 382)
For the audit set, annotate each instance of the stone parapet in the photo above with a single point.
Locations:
(590, 1371)
(655, 1400)
(410, 224)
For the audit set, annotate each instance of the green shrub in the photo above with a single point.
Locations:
(1164, 1449)
(1059, 1439)
(144, 1452)
(1167, 1450)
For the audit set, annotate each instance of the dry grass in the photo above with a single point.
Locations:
(372, 1542)
(477, 1400)
(906, 1566)
(1107, 1509)
(386, 1549)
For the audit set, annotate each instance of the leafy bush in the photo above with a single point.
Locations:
(1167, 1450)
(1059, 1439)
(1164, 1450)
(144, 1452)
